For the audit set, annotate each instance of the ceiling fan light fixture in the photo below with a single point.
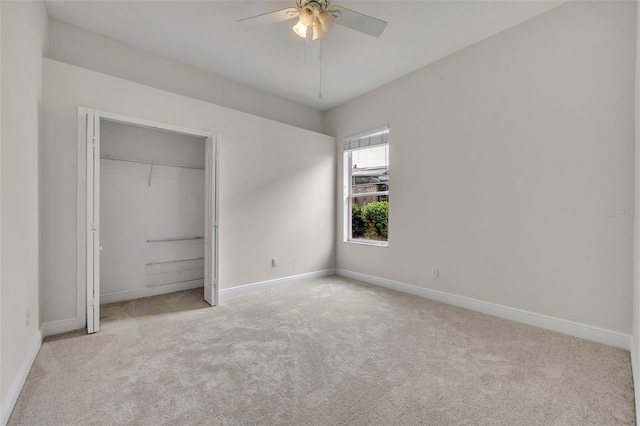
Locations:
(320, 13)
(308, 15)
(300, 29)
(317, 31)
(326, 20)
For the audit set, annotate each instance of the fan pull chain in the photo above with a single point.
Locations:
(320, 89)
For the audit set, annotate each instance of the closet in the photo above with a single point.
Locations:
(152, 211)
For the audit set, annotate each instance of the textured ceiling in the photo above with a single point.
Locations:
(205, 35)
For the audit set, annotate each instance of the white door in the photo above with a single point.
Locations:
(93, 222)
(210, 291)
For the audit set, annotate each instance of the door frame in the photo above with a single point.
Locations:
(88, 232)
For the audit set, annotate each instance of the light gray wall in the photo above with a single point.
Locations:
(24, 30)
(134, 208)
(277, 182)
(125, 140)
(85, 49)
(504, 158)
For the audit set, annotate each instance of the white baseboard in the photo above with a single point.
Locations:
(61, 326)
(584, 331)
(13, 393)
(228, 293)
(636, 378)
(149, 291)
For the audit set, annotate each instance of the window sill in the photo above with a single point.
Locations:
(368, 243)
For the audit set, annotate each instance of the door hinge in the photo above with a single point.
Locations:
(94, 303)
(94, 228)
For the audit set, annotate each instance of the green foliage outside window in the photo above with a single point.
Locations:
(358, 227)
(371, 221)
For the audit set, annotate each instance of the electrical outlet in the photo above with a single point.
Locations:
(28, 315)
(274, 262)
(435, 271)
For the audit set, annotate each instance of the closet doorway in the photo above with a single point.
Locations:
(148, 223)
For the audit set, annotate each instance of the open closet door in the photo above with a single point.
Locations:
(93, 222)
(211, 226)
(89, 182)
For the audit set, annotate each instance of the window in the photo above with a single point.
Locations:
(366, 187)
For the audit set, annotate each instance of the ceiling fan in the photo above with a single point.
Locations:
(319, 16)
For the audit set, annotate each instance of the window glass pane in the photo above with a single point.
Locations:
(370, 171)
(370, 219)
(370, 209)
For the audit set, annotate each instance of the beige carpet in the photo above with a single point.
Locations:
(326, 352)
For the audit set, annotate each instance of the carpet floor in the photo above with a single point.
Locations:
(326, 352)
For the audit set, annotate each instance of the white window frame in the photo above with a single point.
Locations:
(348, 196)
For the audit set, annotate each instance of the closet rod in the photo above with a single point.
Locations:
(157, 163)
(164, 240)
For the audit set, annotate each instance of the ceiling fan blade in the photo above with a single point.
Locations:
(360, 22)
(268, 18)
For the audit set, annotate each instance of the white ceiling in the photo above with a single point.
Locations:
(204, 34)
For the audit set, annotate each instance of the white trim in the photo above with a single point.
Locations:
(368, 194)
(216, 219)
(14, 390)
(368, 242)
(148, 292)
(93, 223)
(112, 116)
(347, 222)
(584, 331)
(242, 290)
(211, 221)
(81, 221)
(62, 326)
(348, 197)
(636, 380)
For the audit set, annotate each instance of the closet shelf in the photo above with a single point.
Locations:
(164, 240)
(175, 271)
(175, 261)
(152, 162)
